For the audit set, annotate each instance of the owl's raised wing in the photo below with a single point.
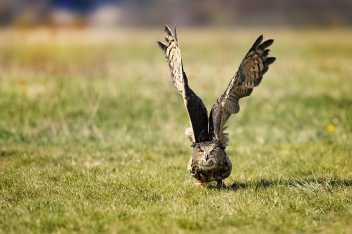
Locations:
(195, 107)
(249, 75)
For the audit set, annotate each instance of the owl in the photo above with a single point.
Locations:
(209, 160)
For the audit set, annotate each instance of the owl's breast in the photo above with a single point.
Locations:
(206, 174)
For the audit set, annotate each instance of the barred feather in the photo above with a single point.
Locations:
(197, 112)
(249, 75)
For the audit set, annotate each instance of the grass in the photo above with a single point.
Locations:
(91, 134)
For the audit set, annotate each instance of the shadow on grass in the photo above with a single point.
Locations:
(264, 183)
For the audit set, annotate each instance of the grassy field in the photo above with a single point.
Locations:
(92, 134)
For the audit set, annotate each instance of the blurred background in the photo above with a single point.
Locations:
(109, 13)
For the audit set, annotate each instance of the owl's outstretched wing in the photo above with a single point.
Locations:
(195, 107)
(249, 75)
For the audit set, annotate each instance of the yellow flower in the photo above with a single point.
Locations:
(330, 128)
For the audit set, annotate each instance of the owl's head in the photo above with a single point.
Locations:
(209, 154)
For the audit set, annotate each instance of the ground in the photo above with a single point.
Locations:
(92, 133)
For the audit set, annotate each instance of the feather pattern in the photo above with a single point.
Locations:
(249, 75)
(195, 107)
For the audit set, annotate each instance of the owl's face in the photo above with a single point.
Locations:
(209, 155)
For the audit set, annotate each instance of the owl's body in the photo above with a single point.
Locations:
(209, 161)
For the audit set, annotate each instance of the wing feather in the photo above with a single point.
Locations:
(195, 107)
(249, 75)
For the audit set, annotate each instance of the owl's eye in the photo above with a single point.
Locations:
(213, 152)
(200, 152)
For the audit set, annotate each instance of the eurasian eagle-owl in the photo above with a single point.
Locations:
(209, 161)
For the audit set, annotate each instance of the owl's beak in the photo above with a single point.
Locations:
(206, 157)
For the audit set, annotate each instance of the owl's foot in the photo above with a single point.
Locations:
(221, 184)
(198, 183)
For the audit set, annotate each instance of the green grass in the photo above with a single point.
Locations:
(92, 134)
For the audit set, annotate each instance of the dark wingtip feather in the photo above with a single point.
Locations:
(270, 60)
(267, 43)
(162, 46)
(167, 30)
(257, 42)
(265, 54)
(175, 32)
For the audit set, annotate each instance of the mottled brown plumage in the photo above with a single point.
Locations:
(209, 161)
